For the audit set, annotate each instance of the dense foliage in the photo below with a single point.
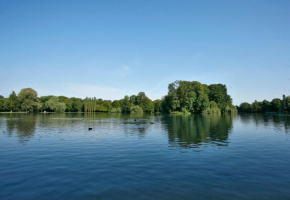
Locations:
(183, 96)
(194, 97)
(136, 110)
(55, 105)
(276, 105)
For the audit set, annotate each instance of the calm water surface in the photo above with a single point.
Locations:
(54, 156)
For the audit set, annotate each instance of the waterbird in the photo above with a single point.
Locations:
(135, 120)
(151, 123)
(90, 129)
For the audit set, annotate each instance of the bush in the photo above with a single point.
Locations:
(212, 108)
(136, 109)
(116, 110)
(184, 111)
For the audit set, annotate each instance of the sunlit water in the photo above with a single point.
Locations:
(54, 156)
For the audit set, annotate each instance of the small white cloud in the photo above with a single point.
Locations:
(123, 71)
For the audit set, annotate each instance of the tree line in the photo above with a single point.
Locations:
(276, 105)
(182, 97)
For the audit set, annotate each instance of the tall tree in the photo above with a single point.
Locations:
(14, 104)
(144, 102)
(126, 105)
(2, 103)
(28, 99)
(218, 94)
(276, 104)
(77, 104)
(157, 105)
(116, 104)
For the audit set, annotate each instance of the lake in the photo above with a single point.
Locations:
(54, 156)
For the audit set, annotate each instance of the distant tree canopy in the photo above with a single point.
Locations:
(194, 97)
(276, 105)
(183, 96)
(97, 105)
(141, 100)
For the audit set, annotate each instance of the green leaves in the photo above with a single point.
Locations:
(157, 105)
(136, 110)
(183, 96)
(195, 97)
(55, 105)
(28, 99)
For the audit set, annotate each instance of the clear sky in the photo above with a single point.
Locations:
(111, 48)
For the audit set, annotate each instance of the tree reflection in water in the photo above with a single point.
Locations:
(276, 121)
(24, 125)
(191, 131)
(187, 131)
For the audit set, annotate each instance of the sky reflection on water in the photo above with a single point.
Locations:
(54, 156)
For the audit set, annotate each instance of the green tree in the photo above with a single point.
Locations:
(4, 104)
(276, 104)
(157, 105)
(77, 104)
(245, 107)
(145, 103)
(192, 96)
(266, 106)
(117, 104)
(165, 104)
(284, 103)
(202, 102)
(68, 104)
(212, 108)
(126, 105)
(134, 100)
(94, 104)
(256, 107)
(43, 101)
(185, 96)
(29, 105)
(218, 94)
(136, 110)
(13, 102)
(55, 105)
(28, 99)
(287, 103)
(67, 101)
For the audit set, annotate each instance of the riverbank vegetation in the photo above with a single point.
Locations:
(276, 105)
(182, 97)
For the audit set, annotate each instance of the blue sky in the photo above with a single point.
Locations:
(109, 49)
